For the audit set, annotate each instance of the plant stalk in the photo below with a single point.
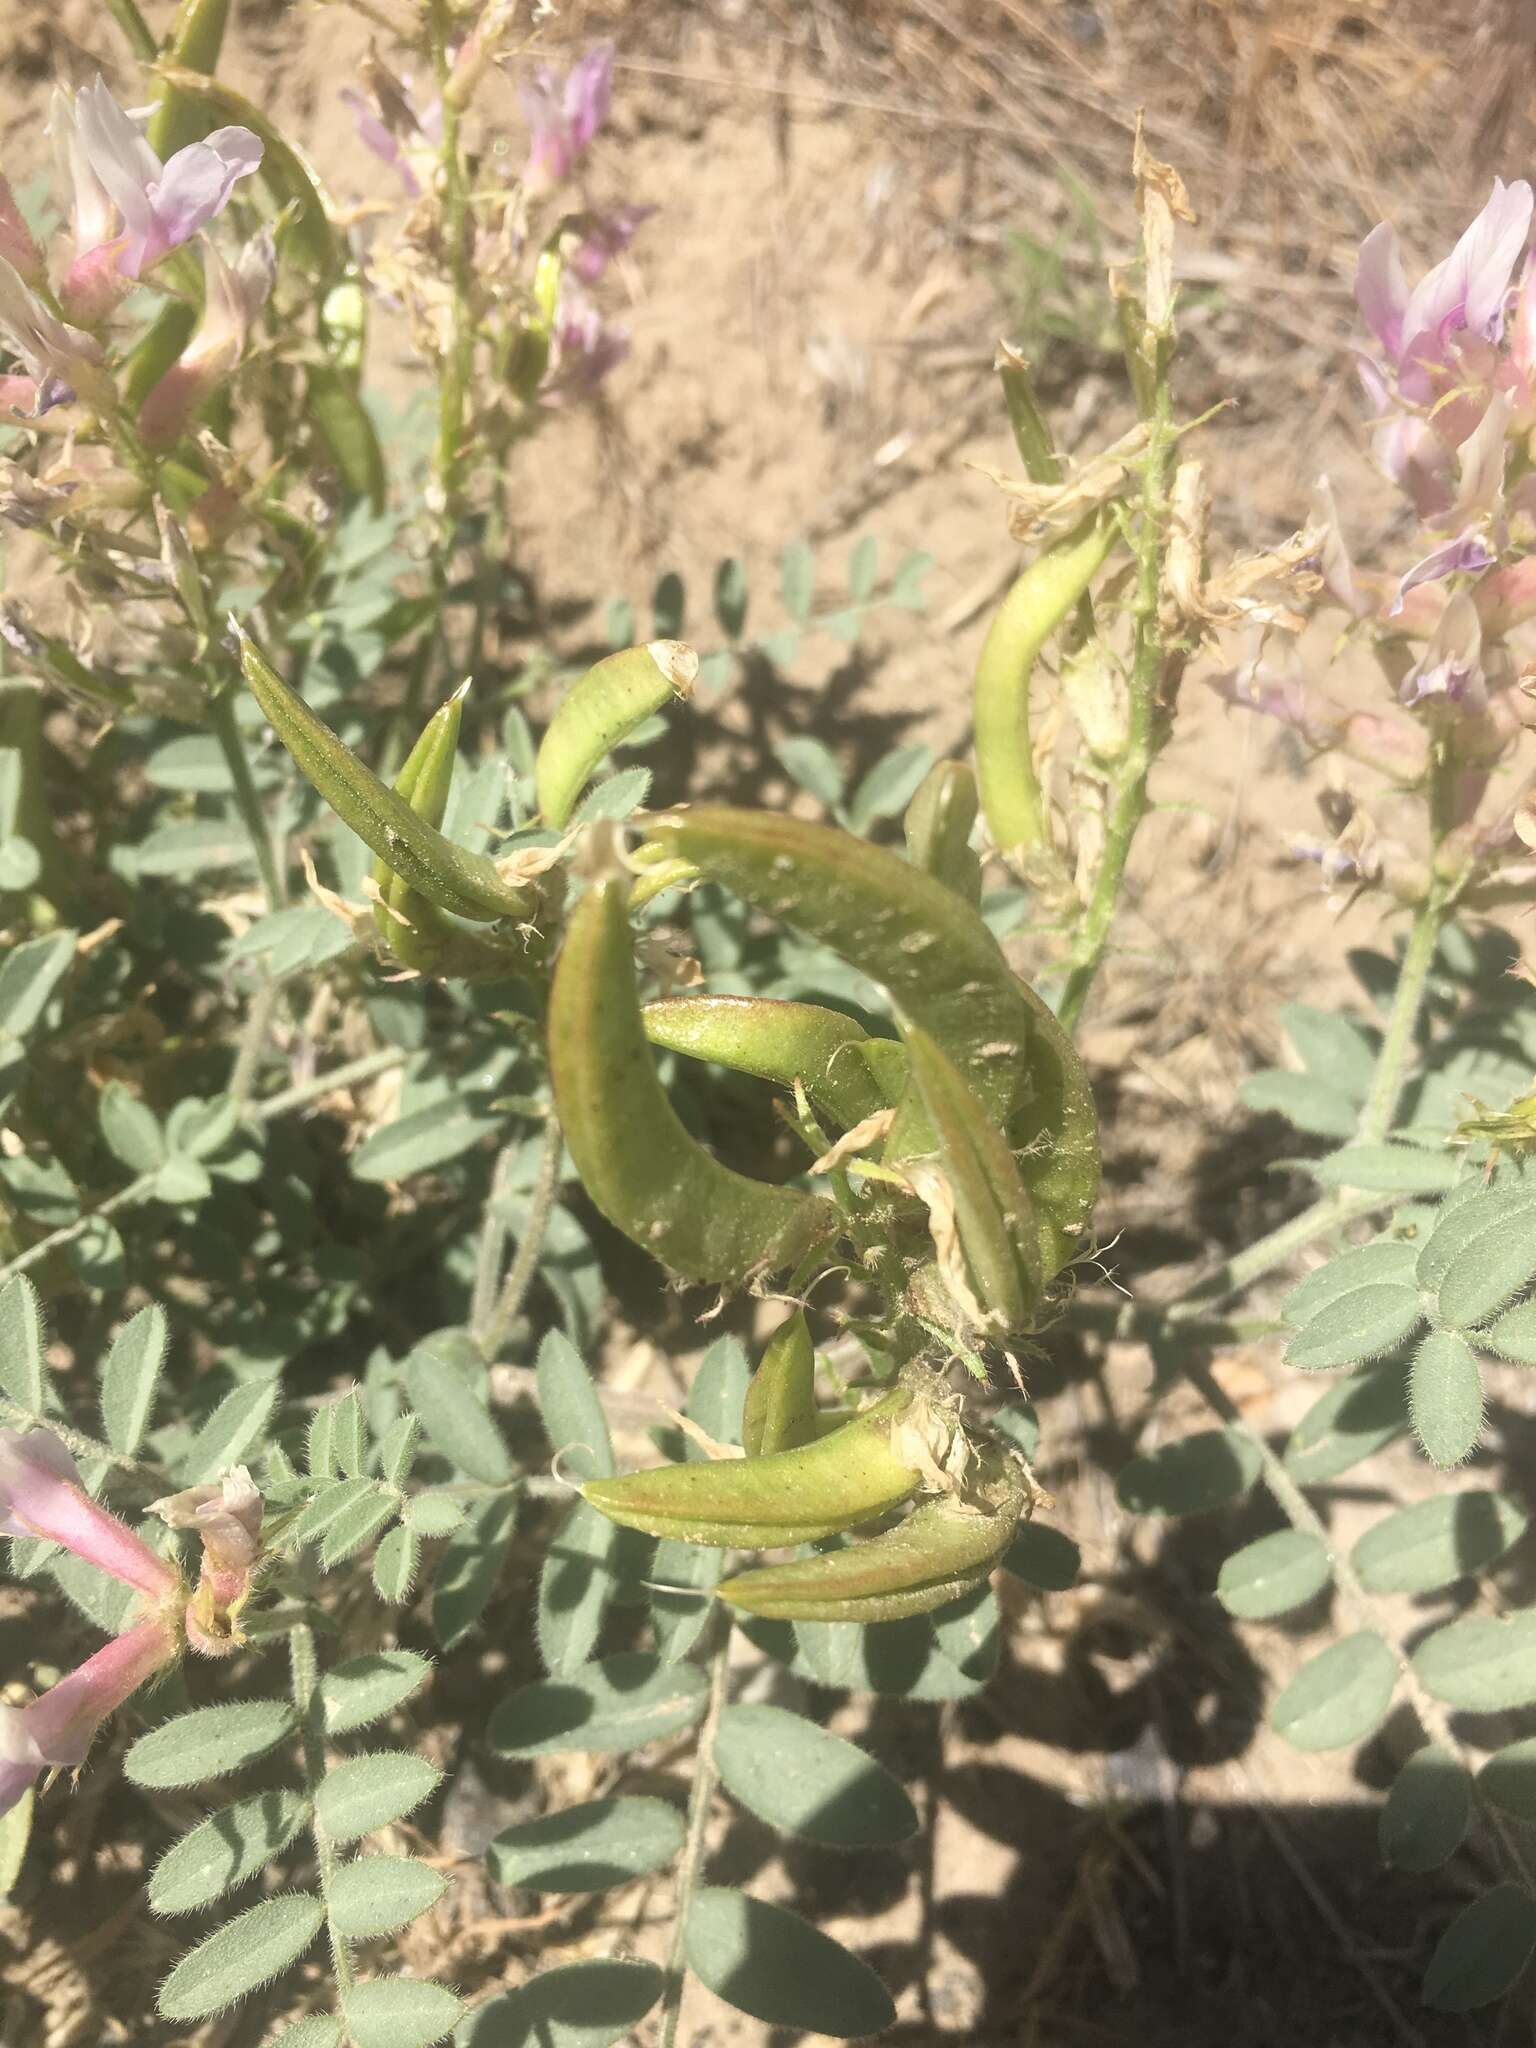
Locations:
(691, 1864)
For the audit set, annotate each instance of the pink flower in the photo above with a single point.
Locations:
(232, 297)
(154, 207)
(563, 118)
(1463, 295)
(41, 1495)
(55, 1732)
(16, 243)
(1467, 552)
(59, 359)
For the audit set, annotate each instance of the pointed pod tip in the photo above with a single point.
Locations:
(678, 662)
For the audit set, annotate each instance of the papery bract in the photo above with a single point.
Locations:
(41, 1495)
(55, 1732)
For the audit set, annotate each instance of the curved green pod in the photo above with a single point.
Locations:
(1033, 609)
(610, 700)
(195, 39)
(642, 1169)
(1000, 1236)
(465, 884)
(346, 427)
(759, 1503)
(938, 826)
(778, 1041)
(943, 1549)
(944, 972)
(780, 1409)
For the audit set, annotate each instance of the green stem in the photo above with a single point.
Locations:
(137, 30)
(531, 1245)
(306, 1698)
(1127, 804)
(82, 1445)
(691, 1863)
(1397, 1046)
(225, 729)
(345, 1076)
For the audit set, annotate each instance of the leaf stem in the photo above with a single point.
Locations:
(1127, 804)
(530, 1248)
(311, 1711)
(345, 1076)
(690, 1867)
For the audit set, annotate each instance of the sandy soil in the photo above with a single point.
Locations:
(1118, 1853)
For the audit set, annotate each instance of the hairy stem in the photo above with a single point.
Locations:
(222, 723)
(691, 1864)
(1127, 797)
(1396, 1056)
(306, 1698)
(531, 1246)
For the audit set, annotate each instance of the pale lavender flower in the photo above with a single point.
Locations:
(155, 207)
(1467, 552)
(1465, 294)
(563, 116)
(1450, 668)
(1275, 688)
(55, 1732)
(604, 236)
(375, 135)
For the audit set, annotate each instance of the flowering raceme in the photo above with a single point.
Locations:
(41, 1496)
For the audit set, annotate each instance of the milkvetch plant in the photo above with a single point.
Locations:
(367, 998)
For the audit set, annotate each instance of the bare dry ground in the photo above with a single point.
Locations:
(1117, 1852)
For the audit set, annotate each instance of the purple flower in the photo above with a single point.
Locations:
(1469, 551)
(1463, 295)
(585, 349)
(1450, 667)
(604, 236)
(55, 1732)
(155, 207)
(564, 117)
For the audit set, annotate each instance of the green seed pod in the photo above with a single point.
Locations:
(465, 884)
(345, 426)
(284, 172)
(778, 1041)
(759, 1503)
(942, 969)
(659, 875)
(943, 1549)
(196, 37)
(156, 349)
(610, 700)
(1038, 602)
(407, 923)
(780, 1411)
(642, 1169)
(938, 826)
(1000, 1236)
